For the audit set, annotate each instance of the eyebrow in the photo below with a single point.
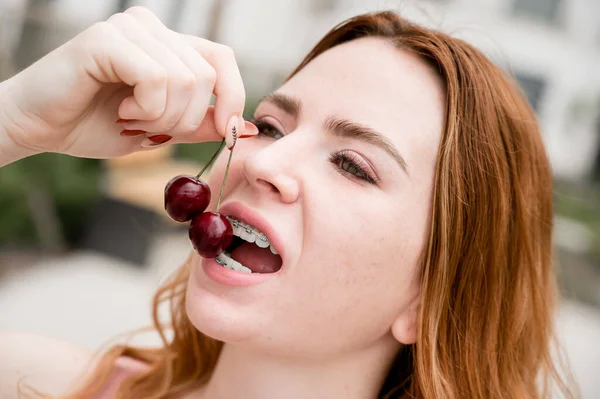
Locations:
(287, 103)
(340, 127)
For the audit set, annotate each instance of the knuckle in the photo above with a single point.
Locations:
(96, 39)
(155, 113)
(115, 18)
(226, 51)
(101, 29)
(209, 76)
(187, 127)
(169, 122)
(187, 81)
(138, 11)
(156, 76)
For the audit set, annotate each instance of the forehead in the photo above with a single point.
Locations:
(371, 82)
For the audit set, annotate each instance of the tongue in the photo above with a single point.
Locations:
(257, 259)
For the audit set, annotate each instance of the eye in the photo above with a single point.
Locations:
(351, 164)
(266, 129)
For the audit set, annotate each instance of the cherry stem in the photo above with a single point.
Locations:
(212, 159)
(224, 179)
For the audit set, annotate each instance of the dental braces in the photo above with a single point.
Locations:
(249, 230)
(220, 262)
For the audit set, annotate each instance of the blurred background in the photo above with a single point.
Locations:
(84, 243)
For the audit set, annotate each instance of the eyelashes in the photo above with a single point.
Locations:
(347, 162)
(352, 164)
(266, 129)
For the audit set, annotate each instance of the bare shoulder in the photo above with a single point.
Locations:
(124, 367)
(53, 366)
(48, 364)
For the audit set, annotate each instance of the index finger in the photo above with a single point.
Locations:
(229, 88)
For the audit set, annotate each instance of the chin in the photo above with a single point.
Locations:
(217, 316)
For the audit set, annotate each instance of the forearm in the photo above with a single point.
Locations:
(10, 151)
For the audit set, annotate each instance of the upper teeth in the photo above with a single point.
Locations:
(251, 234)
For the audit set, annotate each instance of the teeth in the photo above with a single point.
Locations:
(249, 234)
(229, 263)
(235, 265)
(224, 259)
(262, 240)
(221, 259)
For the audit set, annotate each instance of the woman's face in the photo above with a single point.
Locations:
(349, 208)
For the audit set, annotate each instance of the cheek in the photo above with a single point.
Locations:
(360, 274)
(214, 177)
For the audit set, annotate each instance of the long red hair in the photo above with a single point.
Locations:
(488, 281)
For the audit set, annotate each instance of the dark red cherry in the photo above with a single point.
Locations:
(185, 197)
(210, 233)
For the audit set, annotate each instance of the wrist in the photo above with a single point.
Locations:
(10, 149)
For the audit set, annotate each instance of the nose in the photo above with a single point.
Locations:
(269, 172)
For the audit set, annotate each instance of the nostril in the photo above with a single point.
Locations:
(270, 186)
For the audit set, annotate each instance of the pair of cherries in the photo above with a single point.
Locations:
(186, 199)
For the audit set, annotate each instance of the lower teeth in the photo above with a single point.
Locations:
(228, 262)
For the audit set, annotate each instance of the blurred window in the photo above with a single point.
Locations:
(545, 10)
(534, 88)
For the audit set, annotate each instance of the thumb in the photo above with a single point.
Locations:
(207, 131)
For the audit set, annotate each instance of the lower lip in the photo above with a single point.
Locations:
(230, 277)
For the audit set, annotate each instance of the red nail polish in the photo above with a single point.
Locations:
(132, 132)
(245, 136)
(123, 120)
(160, 138)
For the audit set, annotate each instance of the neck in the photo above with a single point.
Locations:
(242, 373)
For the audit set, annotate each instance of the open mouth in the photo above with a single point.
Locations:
(250, 250)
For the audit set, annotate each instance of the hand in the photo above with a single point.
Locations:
(129, 67)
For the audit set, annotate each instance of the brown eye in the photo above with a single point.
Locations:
(265, 129)
(350, 165)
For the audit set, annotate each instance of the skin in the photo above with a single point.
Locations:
(347, 296)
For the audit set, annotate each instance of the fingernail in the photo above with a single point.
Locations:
(250, 130)
(156, 140)
(123, 120)
(160, 138)
(231, 132)
(128, 133)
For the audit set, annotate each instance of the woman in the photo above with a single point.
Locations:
(398, 173)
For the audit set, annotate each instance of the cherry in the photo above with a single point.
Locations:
(185, 197)
(210, 233)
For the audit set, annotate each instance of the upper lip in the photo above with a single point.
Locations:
(244, 214)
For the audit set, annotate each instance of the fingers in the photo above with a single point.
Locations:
(207, 131)
(181, 80)
(174, 77)
(127, 63)
(226, 82)
(204, 74)
(229, 88)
